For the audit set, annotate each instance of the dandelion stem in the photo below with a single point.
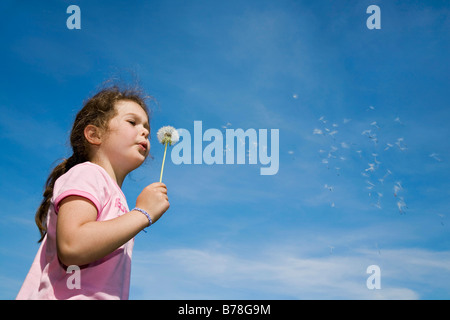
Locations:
(164, 159)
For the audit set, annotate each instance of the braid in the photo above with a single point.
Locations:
(42, 211)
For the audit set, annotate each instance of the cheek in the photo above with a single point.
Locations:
(129, 133)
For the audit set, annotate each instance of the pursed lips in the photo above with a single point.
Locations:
(143, 145)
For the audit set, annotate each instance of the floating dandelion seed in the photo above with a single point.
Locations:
(435, 156)
(373, 137)
(400, 145)
(375, 125)
(370, 185)
(376, 161)
(317, 131)
(377, 205)
(345, 145)
(167, 136)
(401, 205)
(397, 188)
(371, 167)
(388, 172)
(398, 120)
(227, 125)
(322, 118)
(332, 133)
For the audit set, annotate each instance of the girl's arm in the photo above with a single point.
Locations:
(80, 239)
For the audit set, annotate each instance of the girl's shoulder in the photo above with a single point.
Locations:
(88, 180)
(85, 175)
(87, 170)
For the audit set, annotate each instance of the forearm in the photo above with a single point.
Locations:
(94, 240)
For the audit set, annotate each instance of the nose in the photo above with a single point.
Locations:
(145, 132)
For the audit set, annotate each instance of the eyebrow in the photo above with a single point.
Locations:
(146, 124)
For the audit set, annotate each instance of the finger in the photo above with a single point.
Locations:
(158, 184)
(162, 190)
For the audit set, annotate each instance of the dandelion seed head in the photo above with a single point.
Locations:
(168, 134)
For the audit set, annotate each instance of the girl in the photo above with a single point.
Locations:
(84, 220)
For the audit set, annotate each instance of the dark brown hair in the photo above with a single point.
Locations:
(96, 111)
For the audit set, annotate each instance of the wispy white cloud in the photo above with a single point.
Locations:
(191, 273)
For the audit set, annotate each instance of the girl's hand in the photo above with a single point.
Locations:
(154, 200)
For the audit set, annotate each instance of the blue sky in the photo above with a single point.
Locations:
(362, 116)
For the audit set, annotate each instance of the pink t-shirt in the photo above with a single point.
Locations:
(107, 278)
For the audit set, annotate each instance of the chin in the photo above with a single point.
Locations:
(136, 162)
(142, 159)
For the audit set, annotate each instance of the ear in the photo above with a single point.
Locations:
(92, 134)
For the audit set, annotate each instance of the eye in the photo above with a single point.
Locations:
(132, 122)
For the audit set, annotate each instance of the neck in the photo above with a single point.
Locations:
(115, 174)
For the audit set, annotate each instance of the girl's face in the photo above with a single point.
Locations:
(126, 143)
